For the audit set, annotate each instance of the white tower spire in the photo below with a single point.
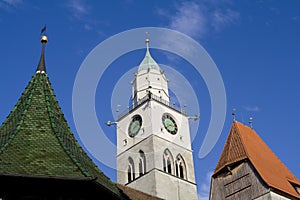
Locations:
(149, 78)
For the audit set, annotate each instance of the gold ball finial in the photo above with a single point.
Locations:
(147, 38)
(44, 39)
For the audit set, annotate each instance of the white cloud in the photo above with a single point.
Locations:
(81, 11)
(220, 18)
(78, 8)
(189, 19)
(251, 108)
(204, 189)
(197, 19)
(13, 3)
(87, 27)
(10, 4)
(295, 18)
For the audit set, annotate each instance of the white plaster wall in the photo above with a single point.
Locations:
(151, 113)
(167, 186)
(172, 188)
(123, 124)
(156, 181)
(182, 138)
(266, 196)
(275, 196)
(153, 78)
(122, 160)
(272, 196)
(145, 184)
(159, 144)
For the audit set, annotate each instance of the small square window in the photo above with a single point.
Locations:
(297, 188)
(295, 185)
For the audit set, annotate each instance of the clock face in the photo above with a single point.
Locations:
(169, 123)
(135, 125)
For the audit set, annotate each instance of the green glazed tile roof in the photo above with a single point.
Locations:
(36, 140)
(148, 62)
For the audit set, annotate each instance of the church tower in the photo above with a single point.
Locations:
(154, 152)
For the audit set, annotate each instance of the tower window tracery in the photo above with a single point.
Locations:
(168, 161)
(180, 167)
(130, 170)
(142, 163)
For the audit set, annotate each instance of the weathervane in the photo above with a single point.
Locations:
(44, 38)
(233, 114)
(251, 122)
(147, 40)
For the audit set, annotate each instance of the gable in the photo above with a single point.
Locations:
(244, 143)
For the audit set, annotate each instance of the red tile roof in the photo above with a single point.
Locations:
(244, 143)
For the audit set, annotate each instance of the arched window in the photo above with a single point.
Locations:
(180, 167)
(168, 162)
(142, 163)
(130, 170)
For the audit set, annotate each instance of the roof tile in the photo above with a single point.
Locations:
(36, 140)
(243, 142)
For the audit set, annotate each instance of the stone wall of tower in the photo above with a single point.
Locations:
(161, 144)
(151, 112)
(156, 181)
(167, 187)
(153, 147)
(146, 146)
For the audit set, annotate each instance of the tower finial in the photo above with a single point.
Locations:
(147, 41)
(233, 114)
(251, 122)
(44, 39)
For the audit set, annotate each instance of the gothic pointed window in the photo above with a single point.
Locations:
(142, 163)
(168, 161)
(130, 170)
(180, 167)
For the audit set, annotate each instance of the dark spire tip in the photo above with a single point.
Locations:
(42, 66)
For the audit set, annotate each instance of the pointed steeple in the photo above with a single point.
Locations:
(149, 79)
(148, 62)
(41, 68)
(35, 139)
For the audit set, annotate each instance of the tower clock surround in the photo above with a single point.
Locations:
(135, 125)
(169, 123)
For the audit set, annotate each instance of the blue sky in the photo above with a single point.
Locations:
(254, 43)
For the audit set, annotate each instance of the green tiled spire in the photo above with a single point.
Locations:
(36, 140)
(148, 62)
